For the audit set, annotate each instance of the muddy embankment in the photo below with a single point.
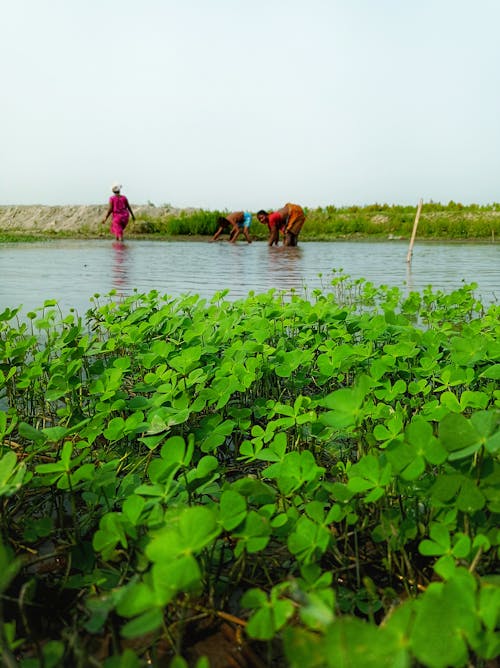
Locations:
(67, 219)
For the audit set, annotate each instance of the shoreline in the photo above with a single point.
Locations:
(27, 238)
(439, 223)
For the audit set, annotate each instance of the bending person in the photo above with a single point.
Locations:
(288, 220)
(234, 223)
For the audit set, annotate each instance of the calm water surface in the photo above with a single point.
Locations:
(71, 271)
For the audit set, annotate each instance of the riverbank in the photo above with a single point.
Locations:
(453, 221)
(66, 220)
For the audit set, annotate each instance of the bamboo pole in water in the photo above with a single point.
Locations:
(414, 232)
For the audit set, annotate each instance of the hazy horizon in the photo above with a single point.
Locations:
(248, 105)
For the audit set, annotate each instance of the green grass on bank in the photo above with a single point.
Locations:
(377, 221)
(437, 221)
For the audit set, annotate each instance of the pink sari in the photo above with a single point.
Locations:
(119, 221)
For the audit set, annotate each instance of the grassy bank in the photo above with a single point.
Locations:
(377, 221)
(437, 221)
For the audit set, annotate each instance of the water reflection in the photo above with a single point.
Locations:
(283, 268)
(409, 278)
(120, 266)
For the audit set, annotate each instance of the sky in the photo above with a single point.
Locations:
(249, 104)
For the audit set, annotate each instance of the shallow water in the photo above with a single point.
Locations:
(71, 271)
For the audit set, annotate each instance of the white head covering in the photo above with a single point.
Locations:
(116, 187)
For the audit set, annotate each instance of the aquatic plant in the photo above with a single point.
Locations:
(315, 480)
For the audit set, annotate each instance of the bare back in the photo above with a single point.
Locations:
(235, 217)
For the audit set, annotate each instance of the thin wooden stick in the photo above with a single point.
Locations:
(414, 232)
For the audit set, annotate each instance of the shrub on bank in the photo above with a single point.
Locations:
(197, 222)
(437, 221)
(453, 221)
(377, 221)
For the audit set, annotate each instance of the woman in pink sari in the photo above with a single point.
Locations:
(120, 208)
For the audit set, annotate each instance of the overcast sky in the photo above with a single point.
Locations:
(248, 104)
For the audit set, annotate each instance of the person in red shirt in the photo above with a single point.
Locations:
(288, 220)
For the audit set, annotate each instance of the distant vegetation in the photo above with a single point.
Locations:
(375, 221)
(193, 222)
(437, 221)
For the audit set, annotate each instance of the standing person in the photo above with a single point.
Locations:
(288, 220)
(234, 223)
(120, 209)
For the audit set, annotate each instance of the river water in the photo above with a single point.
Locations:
(72, 271)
